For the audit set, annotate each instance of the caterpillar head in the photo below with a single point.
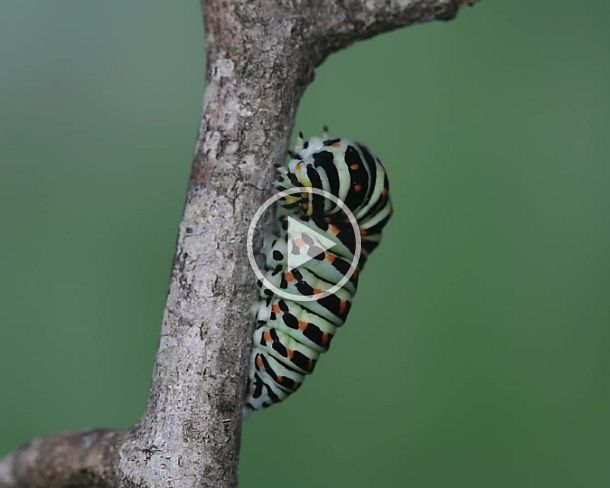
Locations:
(302, 171)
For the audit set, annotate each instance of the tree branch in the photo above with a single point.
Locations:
(83, 459)
(261, 56)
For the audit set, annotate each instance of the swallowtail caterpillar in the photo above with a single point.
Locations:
(291, 335)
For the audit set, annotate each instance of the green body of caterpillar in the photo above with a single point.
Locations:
(290, 335)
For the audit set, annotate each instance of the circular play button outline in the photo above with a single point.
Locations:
(261, 276)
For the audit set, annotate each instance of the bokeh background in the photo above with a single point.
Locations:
(476, 354)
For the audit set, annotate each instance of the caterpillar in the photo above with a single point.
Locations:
(290, 335)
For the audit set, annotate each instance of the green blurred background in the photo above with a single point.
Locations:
(476, 354)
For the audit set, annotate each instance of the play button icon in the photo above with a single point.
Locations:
(304, 244)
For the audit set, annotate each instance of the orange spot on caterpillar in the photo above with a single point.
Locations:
(289, 276)
(330, 257)
(299, 166)
(363, 232)
(276, 308)
(311, 364)
(267, 336)
(384, 192)
(280, 378)
(334, 230)
(290, 353)
(342, 306)
(302, 325)
(325, 338)
(357, 188)
(259, 362)
(354, 166)
(317, 291)
(299, 242)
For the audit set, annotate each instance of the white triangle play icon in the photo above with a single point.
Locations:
(304, 243)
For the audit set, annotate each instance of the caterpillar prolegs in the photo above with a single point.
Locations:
(290, 335)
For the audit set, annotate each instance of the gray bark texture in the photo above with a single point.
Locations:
(261, 56)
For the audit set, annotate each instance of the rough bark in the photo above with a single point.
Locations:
(261, 56)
